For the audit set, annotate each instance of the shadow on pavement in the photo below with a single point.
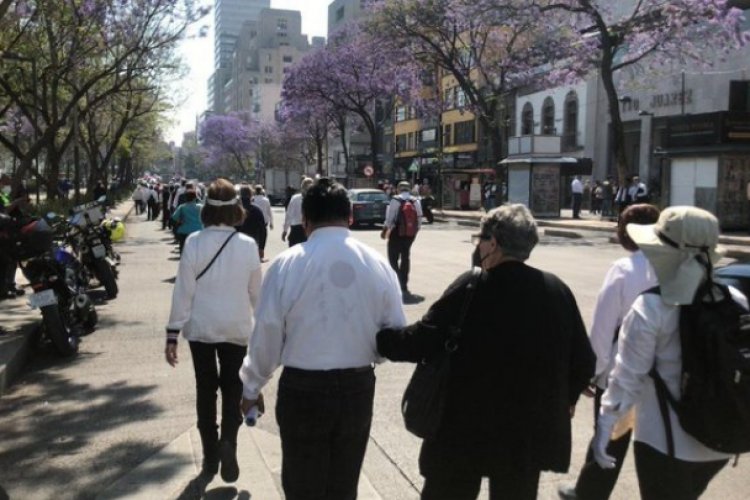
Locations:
(50, 422)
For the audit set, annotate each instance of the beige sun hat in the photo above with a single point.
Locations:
(672, 245)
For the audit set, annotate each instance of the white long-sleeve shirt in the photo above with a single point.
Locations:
(650, 337)
(391, 212)
(625, 280)
(293, 215)
(218, 307)
(321, 306)
(265, 206)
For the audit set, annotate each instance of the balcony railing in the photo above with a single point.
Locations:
(535, 144)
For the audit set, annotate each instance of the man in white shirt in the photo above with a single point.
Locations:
(677, 247)
(637, 192)
(293, 224)
(261, 201)
(576, 188)
(400, 235)
(321, 306)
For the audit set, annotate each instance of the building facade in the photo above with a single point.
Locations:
(229, 17)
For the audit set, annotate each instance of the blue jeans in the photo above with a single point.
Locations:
(324, 420)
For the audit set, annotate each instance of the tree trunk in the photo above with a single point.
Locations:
(319, 151)
(53, 172)
(618, 130)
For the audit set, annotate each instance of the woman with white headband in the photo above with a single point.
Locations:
(215, 293)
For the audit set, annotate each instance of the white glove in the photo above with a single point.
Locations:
(604, 425)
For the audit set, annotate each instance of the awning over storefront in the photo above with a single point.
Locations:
(469, 171)
(568, 165)
(558, 159)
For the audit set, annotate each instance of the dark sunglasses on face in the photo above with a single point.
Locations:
(477, 238)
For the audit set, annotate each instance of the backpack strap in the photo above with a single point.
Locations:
(200, 275)
(665, 399)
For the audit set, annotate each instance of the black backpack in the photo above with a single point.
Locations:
(714, 404)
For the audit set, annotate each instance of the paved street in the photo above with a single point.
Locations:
(117, 414)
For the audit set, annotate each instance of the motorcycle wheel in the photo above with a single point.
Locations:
(91, 320)
(63, 336)
(106, 277)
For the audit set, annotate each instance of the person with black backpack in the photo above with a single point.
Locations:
(402, 222)
(682, 363)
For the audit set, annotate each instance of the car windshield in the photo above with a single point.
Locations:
(371, 197)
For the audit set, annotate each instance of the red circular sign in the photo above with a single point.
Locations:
(368, 171)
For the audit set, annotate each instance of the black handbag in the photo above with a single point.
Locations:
(424, 399)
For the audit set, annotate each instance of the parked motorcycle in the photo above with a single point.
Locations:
(92, 243)
(66, 309)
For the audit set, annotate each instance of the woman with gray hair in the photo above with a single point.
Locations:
(521, 362)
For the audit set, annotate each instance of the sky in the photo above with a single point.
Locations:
(197, 53)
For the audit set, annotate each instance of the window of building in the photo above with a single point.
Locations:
(287, 69)
(400, 143)
(448, 101)
(447, 135)
(465, 132)
(268, 69)
(461, 99)
(548, 117)
(340, 13)
(410, 141)
(281, 24)
(287, 59)
(570, 121)
(739, 96)
(268, 80)
(527, 119)
(429, 135)
(401, 113)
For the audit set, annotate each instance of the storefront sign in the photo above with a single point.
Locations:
(708, 129)
(671, 99)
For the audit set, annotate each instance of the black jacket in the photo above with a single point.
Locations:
(254, 224)
(523, 360)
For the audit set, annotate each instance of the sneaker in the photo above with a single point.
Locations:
(230, 469)
(567, 492)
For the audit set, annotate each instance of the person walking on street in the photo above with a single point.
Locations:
(214, 297)
(670, 464)
(188, 218)
(576, 188)
(261, 201)
(519, 366)
(152, 200)
(402, 223)
(293, 221)
(99, 190)
(254, 224)
(625, 281)
(166, 193)
(139, 198)
(321, 305)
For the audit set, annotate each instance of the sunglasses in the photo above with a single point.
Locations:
(477, 238)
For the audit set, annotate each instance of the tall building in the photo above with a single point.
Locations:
(341, 12)
(264, 52)
(229, 16)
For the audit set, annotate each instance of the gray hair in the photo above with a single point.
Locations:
(514, 229)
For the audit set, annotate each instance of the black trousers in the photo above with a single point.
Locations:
(324, 420)
(595, 483)
(296, 235)
(577, 199)
(151, 210)
(514, 483)
(661, 477)
(399, 255)
(209, 378)
(165, 217)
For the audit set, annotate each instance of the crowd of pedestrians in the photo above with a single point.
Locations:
(606, 198)
(329, 309)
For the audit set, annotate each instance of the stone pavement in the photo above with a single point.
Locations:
(736, 245)
(262, 480)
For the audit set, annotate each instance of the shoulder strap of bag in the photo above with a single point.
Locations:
(215, 256)
(452, 343)
(665, 399)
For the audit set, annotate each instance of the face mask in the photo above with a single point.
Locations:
(476, 258)
(6, 190)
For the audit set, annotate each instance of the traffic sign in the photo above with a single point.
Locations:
(368, 171)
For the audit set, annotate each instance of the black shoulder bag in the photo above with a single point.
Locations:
(424, 399)
(200, 275)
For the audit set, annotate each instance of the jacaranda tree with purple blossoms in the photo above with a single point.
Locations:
(490, 49)
(228, 146)
(624, 34)
(350, 75)
(309, 117)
